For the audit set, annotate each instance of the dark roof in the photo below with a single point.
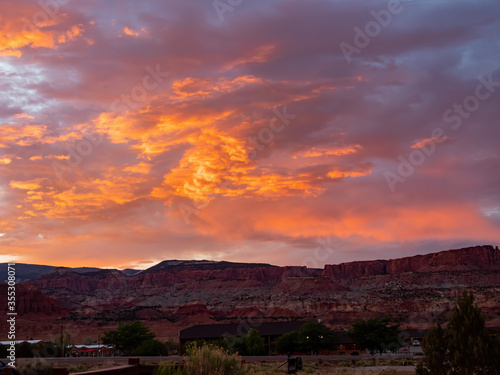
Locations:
(423, 332)
(342, 338)
(414, 332)
(494, 330)
(210, 331)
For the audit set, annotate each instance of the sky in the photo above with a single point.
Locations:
(288, 132)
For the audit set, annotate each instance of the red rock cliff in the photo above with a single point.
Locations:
(30, 300)
(478, 257)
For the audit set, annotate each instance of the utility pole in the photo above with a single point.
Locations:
(62, 347)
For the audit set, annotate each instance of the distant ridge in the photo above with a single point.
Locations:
(475, 257)
(176, 294)
(201, 265)
(26, 272)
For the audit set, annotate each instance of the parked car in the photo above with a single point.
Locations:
(416, 343)
(4, 365)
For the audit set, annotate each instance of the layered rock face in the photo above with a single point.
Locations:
(479, 258)
(30, 300)
(175, 294)
(484, 258)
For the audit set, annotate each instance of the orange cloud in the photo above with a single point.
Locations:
(85, 199)
(260, 54)
(130, 31)
(58, 157)
(13, 38)
(29, 135)
(142, 168)
(218, 164)
(203, 87)
(429, 141)
(343, 174)
(26, 24)
(324, 151)
(25, 185)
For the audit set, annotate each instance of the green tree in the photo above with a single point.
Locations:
(466, 349)
(311, 338)
(151, 347)
(233, 344)
(314, 336)
(468, 338)
(375, 335)
(288, 342)
(435, 346)
(254, 345)
(128, 336)
(494, 355)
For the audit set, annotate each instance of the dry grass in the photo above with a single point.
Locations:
(321, 368)
(207, 360)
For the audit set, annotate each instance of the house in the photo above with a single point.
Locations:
(345, 345)
(270, 331)
(32, 342)
(413, 337)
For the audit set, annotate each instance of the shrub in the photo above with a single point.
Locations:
(151, 347)
(172, 347)
(211, 360)
(37, 368)
(254, 345)
(167, 369)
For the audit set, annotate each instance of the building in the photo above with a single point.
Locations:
(270, 331)
(32, 342)
(38, 347)
(345, 345)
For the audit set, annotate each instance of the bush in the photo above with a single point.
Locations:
(287, 343)
(128, 336)
(312, 337)
(38, 368)
(151, 347)
(167, 369)
(209, 360)
(172, 347)
(254, 345)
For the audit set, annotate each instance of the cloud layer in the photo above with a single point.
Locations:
(132, 132)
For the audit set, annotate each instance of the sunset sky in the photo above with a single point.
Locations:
(291, 132)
